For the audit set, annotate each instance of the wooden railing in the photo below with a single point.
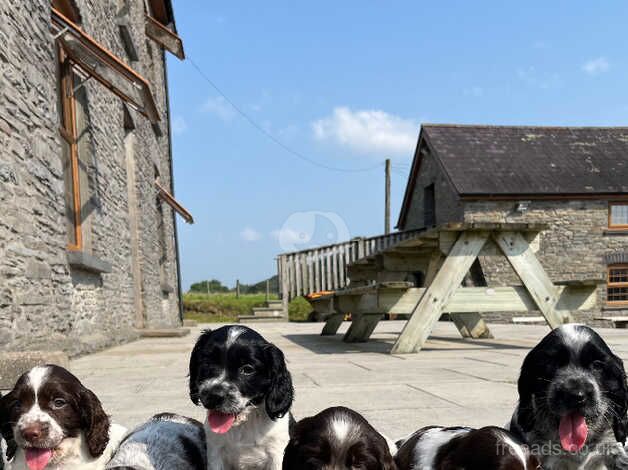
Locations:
(325, 268)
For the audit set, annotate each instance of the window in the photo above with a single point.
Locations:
(97, 62)
(68, 131)
(429, 206)
(617, 288)
(618, 215)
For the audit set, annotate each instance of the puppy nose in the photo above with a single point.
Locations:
(212, 399)
(34, 431)
(576, 393)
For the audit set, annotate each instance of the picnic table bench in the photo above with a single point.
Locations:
(385, 282)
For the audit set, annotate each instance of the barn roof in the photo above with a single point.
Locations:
(484, 161)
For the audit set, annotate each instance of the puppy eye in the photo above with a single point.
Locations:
(247, 369)
(58, 403)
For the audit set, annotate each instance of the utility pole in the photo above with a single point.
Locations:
(387, 199)
(237, 288)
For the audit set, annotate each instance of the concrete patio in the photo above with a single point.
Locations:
(452, 381)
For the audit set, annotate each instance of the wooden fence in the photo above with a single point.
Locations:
(325, 268)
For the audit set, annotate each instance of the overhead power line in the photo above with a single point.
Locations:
(270, 136)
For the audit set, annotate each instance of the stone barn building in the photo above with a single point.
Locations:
(574, 179)
(88, 239)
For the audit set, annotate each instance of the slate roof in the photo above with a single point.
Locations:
(484, 161)
(532, 160)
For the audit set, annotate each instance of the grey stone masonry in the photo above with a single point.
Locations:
(49, 299)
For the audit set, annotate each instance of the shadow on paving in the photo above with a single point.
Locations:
(334, 345)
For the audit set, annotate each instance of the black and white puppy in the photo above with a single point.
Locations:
(440, 448)
(243, 382)
(166, 442)
(337, 439)
(573, 401)
(52, 422)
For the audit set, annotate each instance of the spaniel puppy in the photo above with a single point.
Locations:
(460, 448)
(52, 422)
(166, 442)
(336, 439)
(573, 402)
(242, 381)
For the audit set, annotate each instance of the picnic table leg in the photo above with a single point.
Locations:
(532, 275)
(470, 325)
(332, 324)
(437, 295)
(362, 326)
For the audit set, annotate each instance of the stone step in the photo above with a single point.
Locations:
(190, 323)
(274, 303)
(260, 319)
(268, 311)
(527, 320)
(163, 332)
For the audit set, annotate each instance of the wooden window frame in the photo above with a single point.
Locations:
(616, 303)
(144, 102)
(169, 199)
(611, 204)
(68, 132)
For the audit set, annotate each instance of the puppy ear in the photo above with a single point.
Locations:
(279, 397)
(525, 411)
(620, 402)
(386, 459)
(291, 460)
(95, 422)
(201, 342)
(6, 431)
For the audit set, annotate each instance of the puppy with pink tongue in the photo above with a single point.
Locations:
(244, 385)
(573, 402)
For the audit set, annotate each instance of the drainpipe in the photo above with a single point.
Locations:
(174, 216)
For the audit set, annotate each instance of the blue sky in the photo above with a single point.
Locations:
(347, 84)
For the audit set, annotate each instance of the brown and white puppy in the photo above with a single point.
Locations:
(52, 422)
(337, 439)
(440, 448)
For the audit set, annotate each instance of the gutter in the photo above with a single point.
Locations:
(174, 215)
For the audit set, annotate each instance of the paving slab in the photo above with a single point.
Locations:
(452, 381)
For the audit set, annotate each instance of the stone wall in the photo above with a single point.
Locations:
(448, 206)
(576, 245)
(46, 302)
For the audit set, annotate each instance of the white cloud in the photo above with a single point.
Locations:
(596, 66)
(368, 131)
(179, 126)
(250, 235)
(219, 107)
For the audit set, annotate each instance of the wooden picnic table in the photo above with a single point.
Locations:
(445, 254)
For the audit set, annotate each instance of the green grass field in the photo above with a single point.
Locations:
(225, 308)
